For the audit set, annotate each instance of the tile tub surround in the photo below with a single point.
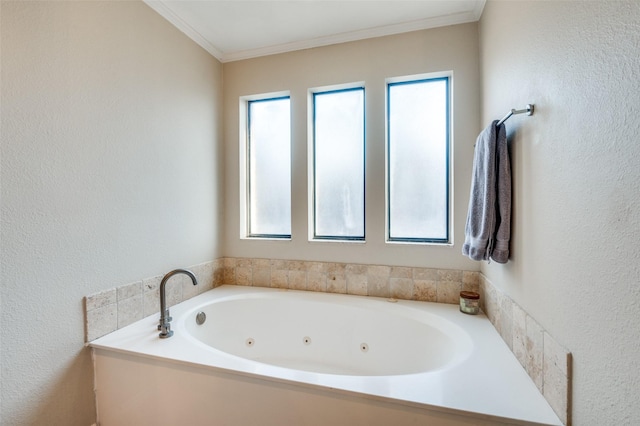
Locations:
(485, 386)
(545, 360)
(112, 309)
(409, 283)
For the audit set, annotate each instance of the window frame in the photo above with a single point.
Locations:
(407, 80)
(245, 166)
(313, 235)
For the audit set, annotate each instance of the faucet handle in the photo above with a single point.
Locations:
(165, 331)
(167, 319)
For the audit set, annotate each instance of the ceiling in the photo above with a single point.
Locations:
(232, 30)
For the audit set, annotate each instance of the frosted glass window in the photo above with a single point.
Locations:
(269, 168)
(418, 160)
(339, 164)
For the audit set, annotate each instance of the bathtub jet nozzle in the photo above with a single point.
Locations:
(165, 319)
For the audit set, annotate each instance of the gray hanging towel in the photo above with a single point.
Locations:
(488, 227)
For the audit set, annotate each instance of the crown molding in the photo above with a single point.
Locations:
(477, 11)
(458, 18)
(423, 24)
(163, 10)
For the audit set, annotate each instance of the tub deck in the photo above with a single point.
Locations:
(136, 369)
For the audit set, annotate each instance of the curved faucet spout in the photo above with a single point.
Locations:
(165, 320)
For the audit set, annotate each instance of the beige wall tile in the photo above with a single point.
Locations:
(556, 378)
(244, 275)
(151, 284)
(519, 337)
(482, 290)
(315, 266)
(470, 281)
(336, 277)
(298, 279)
(205, 272)
(244, 262)
(316, 281)
(260, 263)
(425, 290)
(296, 265)
(401, 288)
(130, 310)
(556, 355)
(401, 272)
(151, 303)
(229, 262)
(535, 350)
(129, 290)
(261, 277)
(450, 275)
(378, 281)
(279, 264)
(356, 284)
(101, 299)
(506, 319)
(379, 271)
(337, 283)
(425, 274)
(336, 268)
(279, 278)
(377, 287)
(217, 272)
(556, 392)
(490, 302)
(448, 292)
(101, 321)
(229, 275)
(355, 269)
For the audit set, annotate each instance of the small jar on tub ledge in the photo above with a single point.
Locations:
(469, 302)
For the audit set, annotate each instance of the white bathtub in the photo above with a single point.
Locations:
(275, 357)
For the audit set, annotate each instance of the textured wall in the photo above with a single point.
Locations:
(110, 173)
(576, 165)
(453, 48)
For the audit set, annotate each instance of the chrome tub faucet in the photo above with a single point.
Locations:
(165, 320)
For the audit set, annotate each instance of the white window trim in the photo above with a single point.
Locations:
(404, 79)
(243, 143)
(310, 157)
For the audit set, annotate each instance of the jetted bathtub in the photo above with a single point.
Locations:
(259, 356)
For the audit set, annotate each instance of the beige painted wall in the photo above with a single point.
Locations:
(453, 48)
(576, 165)
(110, 153)
(111, 172)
